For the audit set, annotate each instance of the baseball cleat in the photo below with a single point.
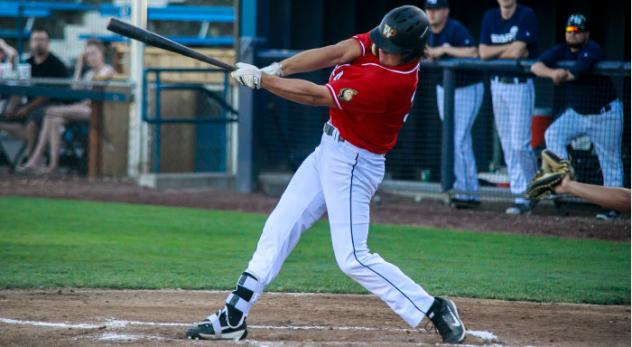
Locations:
(446, 320)
(216, 327)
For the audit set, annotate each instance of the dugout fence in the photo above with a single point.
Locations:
(456, 94)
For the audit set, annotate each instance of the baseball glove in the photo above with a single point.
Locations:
(551, 173)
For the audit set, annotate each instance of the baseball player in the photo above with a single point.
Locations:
(369, 95)
(449, 38)
(509, 32)
(593, 108)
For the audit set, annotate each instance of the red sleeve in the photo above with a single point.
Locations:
(365, 42)
(357, 96)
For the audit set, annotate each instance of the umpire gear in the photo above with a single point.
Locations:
(403, 30)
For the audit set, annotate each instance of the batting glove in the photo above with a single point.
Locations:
(274, 69)
(247, 75)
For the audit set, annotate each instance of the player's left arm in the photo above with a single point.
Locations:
(319, 58)
(298, 90)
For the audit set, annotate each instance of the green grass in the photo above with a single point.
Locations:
(58, 243)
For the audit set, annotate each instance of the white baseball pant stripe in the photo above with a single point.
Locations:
(467, 104)
(340, 178)
(604, 129)
(513, 105)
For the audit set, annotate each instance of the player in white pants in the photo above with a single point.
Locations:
(369, 95)
(510, 32)
(592, 106)
(604, 129)
(467, 104)
(513, 102)
(449, 38)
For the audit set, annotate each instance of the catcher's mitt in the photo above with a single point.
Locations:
(551, 173)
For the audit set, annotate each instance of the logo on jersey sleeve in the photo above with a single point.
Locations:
(346, 94)
(388, 32)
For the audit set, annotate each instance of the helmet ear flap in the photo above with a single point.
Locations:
(374, 49)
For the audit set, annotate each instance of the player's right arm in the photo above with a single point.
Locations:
(320, 58)
(542, 68)
(556, 75)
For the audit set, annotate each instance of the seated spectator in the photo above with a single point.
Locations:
(57, 116)
(7, 53)
(24, 121)
(449, 38)
(592, 107)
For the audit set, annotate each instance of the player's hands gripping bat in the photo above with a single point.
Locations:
(153, 39)
(247, 75)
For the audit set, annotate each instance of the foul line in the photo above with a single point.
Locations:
(119, 323)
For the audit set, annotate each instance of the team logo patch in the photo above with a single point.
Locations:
(346, 94)
(388, 32)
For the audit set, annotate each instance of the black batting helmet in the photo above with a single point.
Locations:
(403, 30)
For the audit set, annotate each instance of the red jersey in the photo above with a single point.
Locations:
(372, 100)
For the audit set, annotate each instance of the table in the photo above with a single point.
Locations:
(68, 89)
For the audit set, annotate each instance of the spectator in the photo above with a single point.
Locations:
(449, 38)
(7, 53)
(24, 121)
(56, 116)
(592, 106)
(509, 32)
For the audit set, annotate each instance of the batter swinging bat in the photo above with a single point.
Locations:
(153, 39)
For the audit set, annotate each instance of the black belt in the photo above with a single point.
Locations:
(511, 80)
(329, 129)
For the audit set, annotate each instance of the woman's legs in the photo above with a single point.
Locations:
(54, 118)
(37, 155)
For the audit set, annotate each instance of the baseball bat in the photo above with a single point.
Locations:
(153, 39)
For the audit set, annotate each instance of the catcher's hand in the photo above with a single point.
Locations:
(551, 173)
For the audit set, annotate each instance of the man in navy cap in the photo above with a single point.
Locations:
(591, 104)
(449, 38)
(509, 32)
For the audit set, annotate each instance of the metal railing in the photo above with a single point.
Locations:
(228, 113)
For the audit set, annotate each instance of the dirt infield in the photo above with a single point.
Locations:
(545, 221)
(103, 317)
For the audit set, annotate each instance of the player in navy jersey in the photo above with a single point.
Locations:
(449, 38)
(591, 104)
(509, 32)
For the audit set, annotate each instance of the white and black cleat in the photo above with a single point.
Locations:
(216, 327)
(445, 318)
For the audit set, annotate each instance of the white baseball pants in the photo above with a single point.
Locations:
(604, 129)
(341, 179)
(467, 103)
(513, 105)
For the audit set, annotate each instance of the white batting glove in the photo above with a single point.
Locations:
(274, 69)
(247, 75)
